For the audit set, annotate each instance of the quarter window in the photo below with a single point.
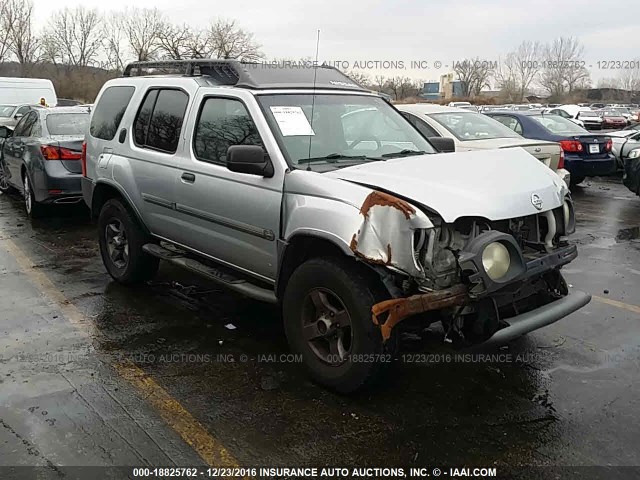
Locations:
(159, 120)
(223, 122)
(109, 112)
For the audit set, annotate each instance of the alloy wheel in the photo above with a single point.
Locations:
(117, 243)
(326, 326)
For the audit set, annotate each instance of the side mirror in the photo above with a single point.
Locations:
(5, 132)
(18, 116)
(250, 159)
(443, 144)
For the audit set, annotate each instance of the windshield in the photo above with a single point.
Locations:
(345, 128)
(559, 125)
(611, 113)
(588, 114)
(473, 126)
(6, 110)
(68, 123)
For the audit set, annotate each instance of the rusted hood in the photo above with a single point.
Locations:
(494, 184)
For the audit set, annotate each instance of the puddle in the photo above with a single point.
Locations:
(628, 234)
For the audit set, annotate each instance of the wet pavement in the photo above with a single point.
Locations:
(565, 395)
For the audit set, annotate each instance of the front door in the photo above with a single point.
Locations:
(230, 216)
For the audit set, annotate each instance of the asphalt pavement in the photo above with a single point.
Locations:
(180, 372)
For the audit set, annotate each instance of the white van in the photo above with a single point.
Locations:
(15, 91)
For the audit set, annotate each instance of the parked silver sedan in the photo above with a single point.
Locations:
(41, 157)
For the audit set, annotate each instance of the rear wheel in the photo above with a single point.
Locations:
(121, 241)
(33, 208)
(327, 316)
(576, 180)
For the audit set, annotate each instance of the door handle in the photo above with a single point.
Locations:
(188, 177)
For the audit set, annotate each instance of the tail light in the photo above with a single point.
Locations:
(83, 159)
(50, 152)
(571, 145)
(561, 161)
(608, 146)
(53, 152)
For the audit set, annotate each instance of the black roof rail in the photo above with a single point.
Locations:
(251, 75)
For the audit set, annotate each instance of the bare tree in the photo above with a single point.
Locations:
(176, 42)
(360, 78)
(74, 37)
(519, 69)
(142, 29)
(564, 69)
(23, 40)
(228, 40)
(401, 86)
(5, 29)
(474, 75)
(114, 42)
(629, 79)
(379, 82)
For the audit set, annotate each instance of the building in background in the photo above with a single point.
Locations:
(450, 87)
(431, 91)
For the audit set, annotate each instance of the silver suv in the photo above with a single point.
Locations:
(298, 187)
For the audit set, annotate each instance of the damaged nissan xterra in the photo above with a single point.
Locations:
(296, 186)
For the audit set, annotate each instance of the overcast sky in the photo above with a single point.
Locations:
(427, 30)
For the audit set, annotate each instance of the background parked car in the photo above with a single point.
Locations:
(11, 114)
(612, 119)
(624, 112)
(570, 112)
(477, 131)
(590, 119)
(631, 177)
(624, 142)
(585, 154)
(41, 158)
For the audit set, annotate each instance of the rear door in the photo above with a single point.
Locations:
(155, 144)
(15, 147)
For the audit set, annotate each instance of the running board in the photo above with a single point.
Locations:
(220, 276)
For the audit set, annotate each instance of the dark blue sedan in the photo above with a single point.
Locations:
(585, 154)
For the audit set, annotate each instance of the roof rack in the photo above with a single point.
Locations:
(251, 75)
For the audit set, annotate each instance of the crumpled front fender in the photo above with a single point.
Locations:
(386, 234)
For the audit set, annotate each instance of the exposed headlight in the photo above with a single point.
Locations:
(496, 260)
(634, 153)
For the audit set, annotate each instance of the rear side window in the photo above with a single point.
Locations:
(109, 112)
(159, 120)
(24, 128)
(68, 123)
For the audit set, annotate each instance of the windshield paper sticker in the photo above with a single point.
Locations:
(292, 121)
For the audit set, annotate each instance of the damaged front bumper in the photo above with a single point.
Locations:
(395, 310)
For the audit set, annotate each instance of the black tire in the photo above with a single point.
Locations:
(124, 259)
(5, 187)
(576, 180)
(33, 208)
(357, 292)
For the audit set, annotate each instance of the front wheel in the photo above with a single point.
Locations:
(5, 187)
(121, 241)
(327, 318)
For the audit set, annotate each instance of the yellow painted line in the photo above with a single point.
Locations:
(171, 411)
(177, 417)
(616, 303)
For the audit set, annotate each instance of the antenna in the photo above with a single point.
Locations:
(313, 99)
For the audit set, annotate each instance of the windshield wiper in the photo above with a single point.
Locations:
(334, 157)
(404, 153)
